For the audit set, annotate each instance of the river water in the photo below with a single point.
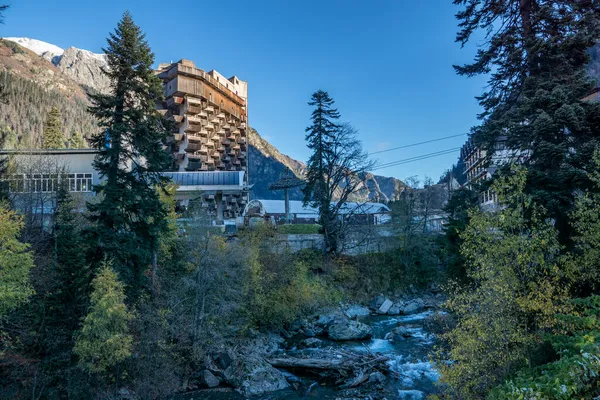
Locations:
(416, 376)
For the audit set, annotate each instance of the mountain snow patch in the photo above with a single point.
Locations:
(44, 49)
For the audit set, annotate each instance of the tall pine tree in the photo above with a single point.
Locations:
(536, 56)
(54, 137)
(320, 137)
(130, 216)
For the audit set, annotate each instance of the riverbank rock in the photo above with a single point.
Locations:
(413, 307)
(357, 311)
(385, 307)
(207, 379)
(395, 309)
(399, 334)
(326, 319)
(224, 359)
(254, 376)
(376, 377)
(377, 302)
(349, 330)
(310, 342)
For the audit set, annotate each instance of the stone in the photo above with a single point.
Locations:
(207, 379)
(224, 359)
(298, 325)
(377, 302)
(395, 309)
(385, 307)
(309, 332)
(310, 342)
(413, 307)
(357, 311)
(349, 330)
(399, 334)
(325, 320)
(253, 376)
(376, 377)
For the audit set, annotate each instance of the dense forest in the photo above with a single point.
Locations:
(26, 108)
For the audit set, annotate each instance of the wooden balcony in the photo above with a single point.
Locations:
(174, 101)
(193, 109)
(192, 147)
(194, 138)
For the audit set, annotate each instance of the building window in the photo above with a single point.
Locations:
(49, 183)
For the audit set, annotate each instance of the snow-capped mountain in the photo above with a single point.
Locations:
(83, 66)
(46, 50)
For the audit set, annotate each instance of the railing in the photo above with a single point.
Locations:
(216, 178)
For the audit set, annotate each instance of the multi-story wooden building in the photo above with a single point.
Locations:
(209, 143)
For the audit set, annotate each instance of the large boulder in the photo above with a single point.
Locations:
(413, 307)
(254, 376)
(357, 311)
(385, 307)
(324, 320)
(377, 302)
(349, 330)
(396, 309)
(207, 379)
(224, 359)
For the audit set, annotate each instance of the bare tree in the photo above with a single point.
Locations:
(346, 169)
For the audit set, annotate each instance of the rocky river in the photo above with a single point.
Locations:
(380, 356)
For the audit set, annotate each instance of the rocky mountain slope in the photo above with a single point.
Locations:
(267, 164)
(83, 66)
(39, 75)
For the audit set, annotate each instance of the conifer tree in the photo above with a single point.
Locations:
(71, 267)
(104, 340)
(16, 261)
(130, 215)
(76, 141)
(337, 167)
(67, 297)
(54, 137)
(537, 50)
(320, 137)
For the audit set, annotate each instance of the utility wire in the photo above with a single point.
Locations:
(417, 144)
(416, 158)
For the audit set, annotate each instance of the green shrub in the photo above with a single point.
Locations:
(282, 287)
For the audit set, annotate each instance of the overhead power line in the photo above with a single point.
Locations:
(418, 144)
(416, 158)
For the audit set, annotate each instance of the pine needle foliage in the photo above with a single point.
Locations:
(54, 137)
(16, 260)
(130, 215)
(104, 340)
(536, 56)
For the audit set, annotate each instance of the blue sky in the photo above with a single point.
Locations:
(388, 64)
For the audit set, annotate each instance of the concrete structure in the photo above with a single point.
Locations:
(210, 116)
(275, 212)
(40, 171)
